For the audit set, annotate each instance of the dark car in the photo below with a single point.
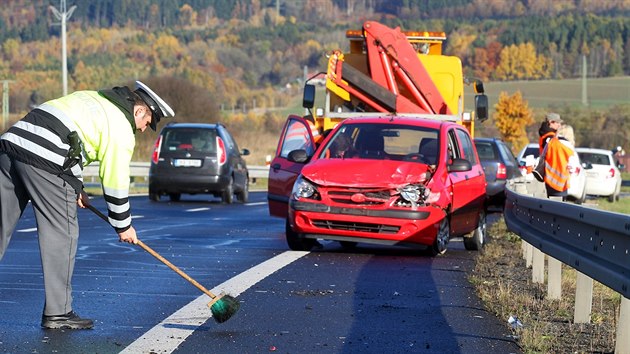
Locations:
(499, 165)
(195, 158)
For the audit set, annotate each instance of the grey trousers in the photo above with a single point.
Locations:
(55, 206)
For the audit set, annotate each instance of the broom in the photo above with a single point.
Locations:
(222, 307)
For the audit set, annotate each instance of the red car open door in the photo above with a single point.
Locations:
(296, 135)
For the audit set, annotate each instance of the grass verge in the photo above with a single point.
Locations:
(504, 283)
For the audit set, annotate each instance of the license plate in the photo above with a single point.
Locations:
(187, 163)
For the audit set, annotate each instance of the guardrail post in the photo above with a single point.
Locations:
(554, 278)
(583, 299)
(622, 342)
(538, 266)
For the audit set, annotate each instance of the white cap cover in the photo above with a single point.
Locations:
(158, 107)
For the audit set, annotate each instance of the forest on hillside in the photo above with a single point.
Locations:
(244, 55)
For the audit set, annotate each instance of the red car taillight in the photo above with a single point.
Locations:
(221, 155)
(156, 150)
(611, 173)
(501, 171)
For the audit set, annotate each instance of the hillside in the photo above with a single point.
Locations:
(237, 58)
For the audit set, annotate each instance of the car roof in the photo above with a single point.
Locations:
(421, 122)
(593, 150)
(487, 139)
(191, 125)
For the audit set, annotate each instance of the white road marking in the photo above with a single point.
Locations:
(174, 330)
(27, 230)
(255, 204)
(197, 209)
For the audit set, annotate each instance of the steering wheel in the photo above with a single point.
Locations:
(417, 158)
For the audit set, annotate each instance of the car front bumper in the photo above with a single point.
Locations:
(380, 226)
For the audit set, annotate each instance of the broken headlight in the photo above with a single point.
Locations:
(304, 189)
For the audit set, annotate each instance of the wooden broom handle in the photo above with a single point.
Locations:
(159, 257)
(174, 268)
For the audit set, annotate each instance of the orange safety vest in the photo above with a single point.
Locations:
(556, 164)
(542, 140)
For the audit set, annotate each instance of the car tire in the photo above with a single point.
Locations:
(175, 197)
(296, 241)
(477, 239)
(442, 238)
(582, 198)
(611, 198)
(228, 194)
(154, 197)
(243, 195)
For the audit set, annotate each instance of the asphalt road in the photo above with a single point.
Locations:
(372, 300)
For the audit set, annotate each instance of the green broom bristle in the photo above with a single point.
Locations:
(224, 308)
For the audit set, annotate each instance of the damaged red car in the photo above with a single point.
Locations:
(385, 180)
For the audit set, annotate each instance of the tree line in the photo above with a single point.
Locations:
(240, 51)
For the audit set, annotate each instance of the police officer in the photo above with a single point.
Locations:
(41, 161)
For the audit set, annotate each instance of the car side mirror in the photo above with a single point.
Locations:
(308, 100)
(299, 156)
(481, 107)
(245, 152)
(459, 165)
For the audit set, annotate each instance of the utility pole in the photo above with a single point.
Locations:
(5, 103)
(584, 89)
(63, 16)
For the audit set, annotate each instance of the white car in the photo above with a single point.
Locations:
(577, 182)
(604, 179)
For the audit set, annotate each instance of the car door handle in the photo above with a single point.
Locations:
(275, 166)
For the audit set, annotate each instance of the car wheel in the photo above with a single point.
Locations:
(243, 196)
(296, 242)
(478, 237)
(228, 193)
(442, 238)
(611, 198)
(175, 197)
(582, 198)
(154, 197)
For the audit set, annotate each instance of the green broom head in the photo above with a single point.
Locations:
(224, 308)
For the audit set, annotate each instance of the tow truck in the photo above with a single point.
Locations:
(400, 84)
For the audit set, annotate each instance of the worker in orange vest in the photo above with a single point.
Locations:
(557, 157)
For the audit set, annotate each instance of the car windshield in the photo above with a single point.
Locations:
(191, 139)
(384, 141)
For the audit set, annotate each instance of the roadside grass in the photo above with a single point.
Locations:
(504, 283)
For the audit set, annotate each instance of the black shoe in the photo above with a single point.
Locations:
(68, 321)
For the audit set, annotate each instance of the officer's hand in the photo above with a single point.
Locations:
(129, 236)
(83, 200)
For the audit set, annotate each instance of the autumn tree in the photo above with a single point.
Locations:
(521, 62)
(512, 115)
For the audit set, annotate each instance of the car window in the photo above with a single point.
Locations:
(467, 147)
(384, 141)
(505, 152)
(296, 137)
(191, 139)
(486, 151)
(594, 158)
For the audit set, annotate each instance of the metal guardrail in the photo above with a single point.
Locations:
(141, 169)
(595, 242)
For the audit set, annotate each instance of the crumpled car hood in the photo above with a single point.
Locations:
(364, 173)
